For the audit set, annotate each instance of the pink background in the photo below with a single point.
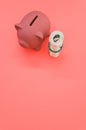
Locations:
(38, 92)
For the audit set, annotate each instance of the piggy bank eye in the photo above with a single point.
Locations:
(33, 20)
(56, 38)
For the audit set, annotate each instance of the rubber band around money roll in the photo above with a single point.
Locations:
(55, 44)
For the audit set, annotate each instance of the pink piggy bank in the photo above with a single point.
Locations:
(33, 29)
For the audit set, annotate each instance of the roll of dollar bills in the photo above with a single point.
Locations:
(55, 44)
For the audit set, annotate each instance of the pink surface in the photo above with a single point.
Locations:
(38, 92)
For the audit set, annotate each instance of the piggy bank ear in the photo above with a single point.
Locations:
(18, 26)
(39, 35)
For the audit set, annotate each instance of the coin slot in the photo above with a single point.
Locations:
(32, 22)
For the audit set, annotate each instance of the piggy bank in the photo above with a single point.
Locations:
(33, 29)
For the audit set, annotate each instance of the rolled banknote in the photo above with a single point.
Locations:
(55, 44)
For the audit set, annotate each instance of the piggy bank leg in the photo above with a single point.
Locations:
(48, 34)
(38, 48)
